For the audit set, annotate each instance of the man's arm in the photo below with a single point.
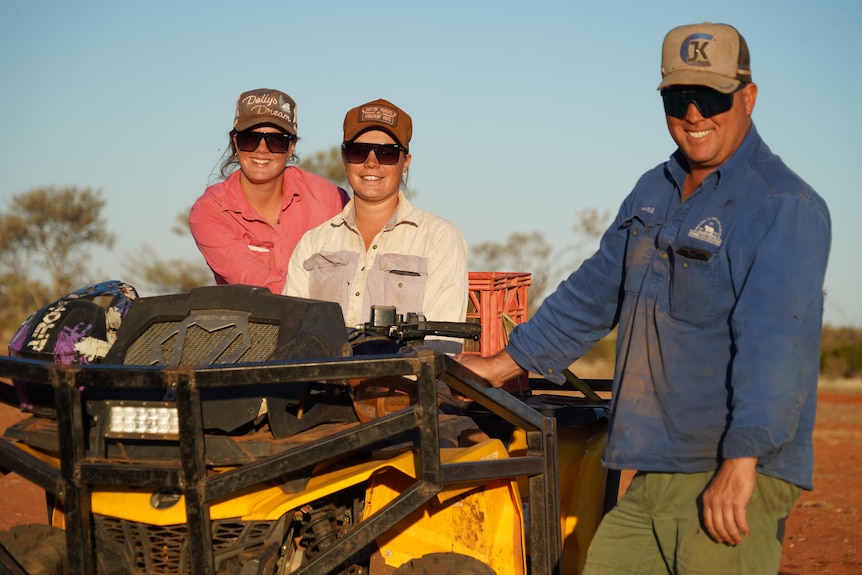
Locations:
(776, 328)
(776, 323)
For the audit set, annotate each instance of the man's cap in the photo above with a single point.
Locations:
(379, 115)
(712, 55)
(265, 106)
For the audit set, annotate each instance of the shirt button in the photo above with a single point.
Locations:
(374, 247)
(363, 269)
(685, 264)
(400, 284)
(664, 256)
(356, 294)
(550, 370)
(634, 232)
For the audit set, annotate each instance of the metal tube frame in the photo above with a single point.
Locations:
(72, 483)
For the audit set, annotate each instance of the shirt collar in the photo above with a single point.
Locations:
(404, 214)
(234, 199)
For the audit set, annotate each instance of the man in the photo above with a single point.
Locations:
(713, 270)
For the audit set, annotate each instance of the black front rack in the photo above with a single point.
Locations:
(82, 468)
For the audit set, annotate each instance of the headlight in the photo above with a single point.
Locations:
(143, 420)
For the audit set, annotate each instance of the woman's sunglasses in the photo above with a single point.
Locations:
(357, 152)
(276, 142)
(708, 101)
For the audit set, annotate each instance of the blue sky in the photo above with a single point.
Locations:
(524, 113)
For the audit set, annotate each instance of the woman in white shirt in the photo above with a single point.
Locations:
(382, 250)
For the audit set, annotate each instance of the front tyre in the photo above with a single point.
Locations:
(39, 549)
(444, 564)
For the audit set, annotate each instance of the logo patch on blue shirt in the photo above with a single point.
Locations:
(709, 231)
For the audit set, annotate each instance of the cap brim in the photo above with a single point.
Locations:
(358, 132)
(248, 125)
(717, 82)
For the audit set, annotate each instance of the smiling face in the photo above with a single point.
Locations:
(709, 142)
(262, 166)
(373, 182)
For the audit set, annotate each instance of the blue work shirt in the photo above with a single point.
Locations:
(719, 301)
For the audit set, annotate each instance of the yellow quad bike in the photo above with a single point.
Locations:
(232, 431)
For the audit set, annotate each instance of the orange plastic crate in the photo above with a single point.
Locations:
(493, 294)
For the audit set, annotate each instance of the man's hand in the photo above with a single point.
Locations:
(497, 369)
(726, 498)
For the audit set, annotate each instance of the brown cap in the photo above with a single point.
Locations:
(379, 115)
(712, 55)
(265, 106)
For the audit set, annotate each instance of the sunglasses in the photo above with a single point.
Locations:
(708, 101)
(357, 152)
(276, 142)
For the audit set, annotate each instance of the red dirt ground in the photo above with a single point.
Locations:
(822, 532)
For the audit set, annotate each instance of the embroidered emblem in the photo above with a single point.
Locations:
(709, 231)
(269, 105)
(286, 108)
(377, 113)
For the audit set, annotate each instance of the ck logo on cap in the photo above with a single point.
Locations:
(693, 49)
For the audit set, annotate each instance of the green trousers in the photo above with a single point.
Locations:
(657, 528)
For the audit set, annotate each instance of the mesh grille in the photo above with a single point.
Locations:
(162, 550)
(158, 344)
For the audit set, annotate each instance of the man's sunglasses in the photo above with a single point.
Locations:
(276, 142)
(710, 102)
(357, 152)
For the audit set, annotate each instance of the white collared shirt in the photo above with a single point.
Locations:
(417, 262)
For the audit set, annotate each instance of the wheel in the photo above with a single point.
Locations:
(444, 564)
(39, 549)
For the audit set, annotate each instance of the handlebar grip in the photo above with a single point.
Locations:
(446, 329)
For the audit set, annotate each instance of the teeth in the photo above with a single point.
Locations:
(699, 134)
(260, 162)
(370, 177)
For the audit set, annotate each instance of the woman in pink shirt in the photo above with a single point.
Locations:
(247, 225)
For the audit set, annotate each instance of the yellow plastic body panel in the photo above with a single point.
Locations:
(484, 522)
(261, 503)
(582, 480)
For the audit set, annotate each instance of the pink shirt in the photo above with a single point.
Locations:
(240, 246)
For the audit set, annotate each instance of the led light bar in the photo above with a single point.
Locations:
(143, 420)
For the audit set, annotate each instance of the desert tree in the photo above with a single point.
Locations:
(48, 232)
(152, 273)
(326, 163)
(45, 238)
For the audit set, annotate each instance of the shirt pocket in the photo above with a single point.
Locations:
(404, 278)
(643, 229)
(262, 250)
(694, 282)
(329, 275)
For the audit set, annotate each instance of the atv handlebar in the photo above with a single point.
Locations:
(386, 323)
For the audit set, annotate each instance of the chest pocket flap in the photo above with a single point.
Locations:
(324, 260)
(329, 275)
(404, 278)
(404, 265)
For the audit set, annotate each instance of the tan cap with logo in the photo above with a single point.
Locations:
(379, 115)
(265, 106)
(712, 55)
